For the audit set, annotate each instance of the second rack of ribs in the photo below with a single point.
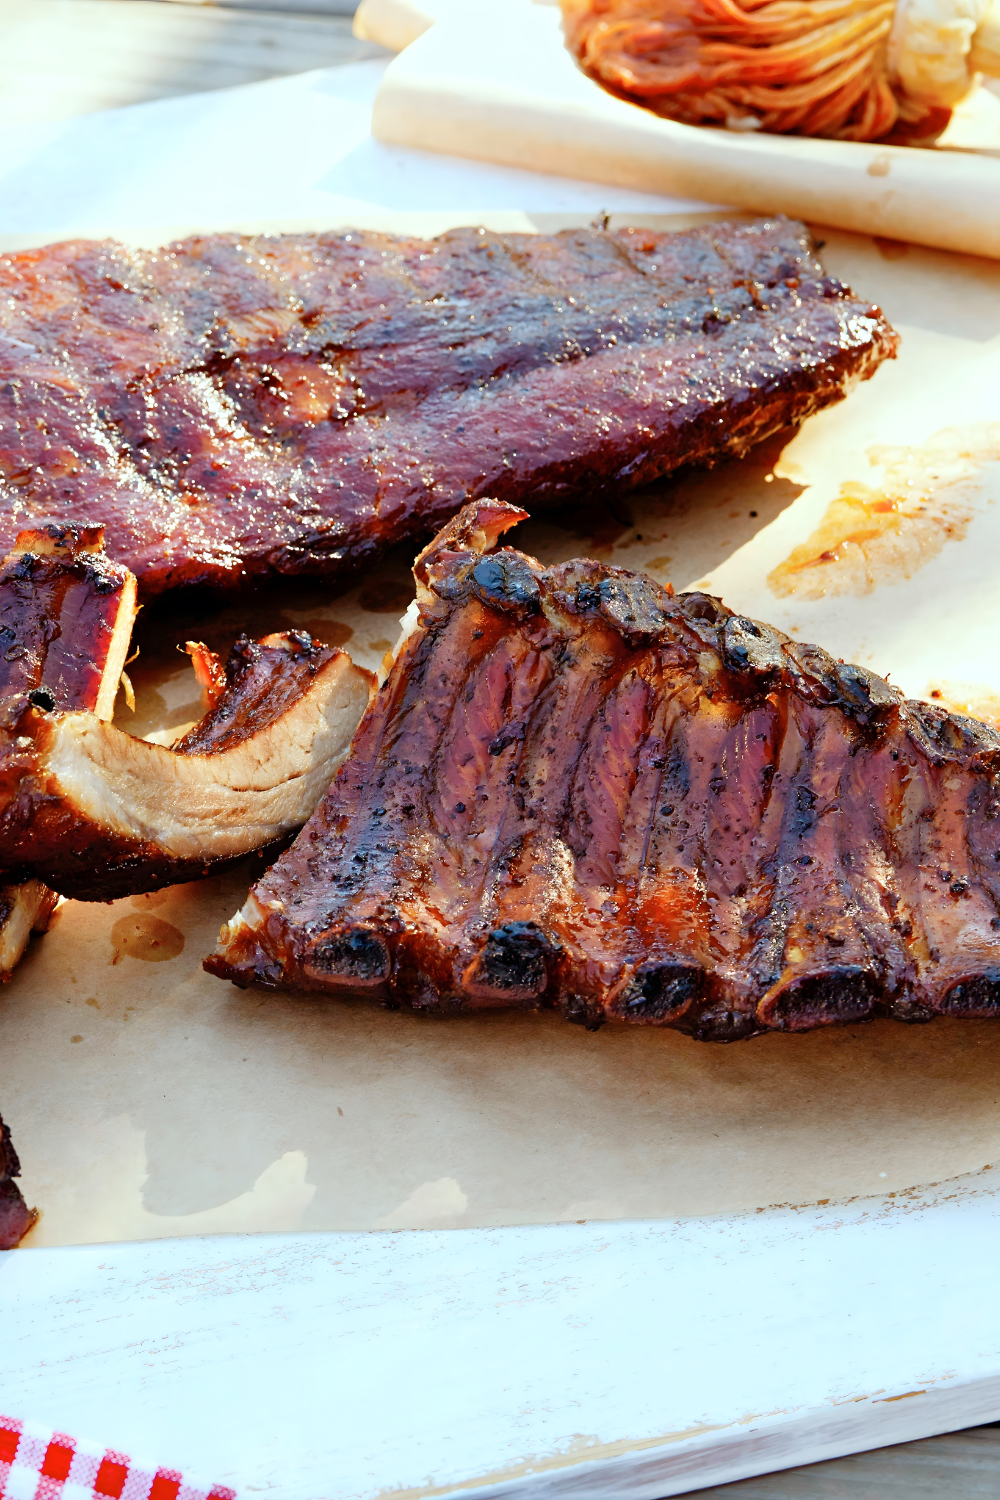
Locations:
(575, 789)
(234, 406)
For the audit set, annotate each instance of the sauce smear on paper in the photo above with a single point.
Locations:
(871, 536)
(972, 698)
(147, 938)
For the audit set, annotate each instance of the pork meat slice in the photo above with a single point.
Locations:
(574, 789)
(96, 813)
(91, 812)
(233, 406)
(16, 1218)
(66, 616)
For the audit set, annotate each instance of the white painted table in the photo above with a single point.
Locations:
(598, 1359)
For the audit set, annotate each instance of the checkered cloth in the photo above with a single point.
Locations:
(36, 1464)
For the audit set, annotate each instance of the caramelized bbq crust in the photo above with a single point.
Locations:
(66, 616)
(234, 405)
(574, 789)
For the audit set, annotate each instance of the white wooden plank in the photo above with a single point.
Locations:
(497, 83)
(591, 1360)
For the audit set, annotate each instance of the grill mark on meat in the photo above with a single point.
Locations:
(816, 946)
(532, 873)
(236, 405)
(955, 908)
(633, 910)
(489, 719)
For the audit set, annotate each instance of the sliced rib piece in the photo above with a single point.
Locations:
(574, 789)
(98, 814)
(16, 1218)
(232, 405)
(66, 616)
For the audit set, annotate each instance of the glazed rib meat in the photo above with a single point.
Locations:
(575, 789)
(16, 1218)
(236, 406)
(97, 814)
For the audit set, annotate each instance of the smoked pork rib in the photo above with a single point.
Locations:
(575, 789)
(91, 812)
(233, 406)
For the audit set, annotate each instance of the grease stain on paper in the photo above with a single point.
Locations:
(433, 1205)
(386, 596)
(150, 939)
(872, 535)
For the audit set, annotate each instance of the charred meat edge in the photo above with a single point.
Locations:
(16, 1218)
(575, 789)
(66, 615)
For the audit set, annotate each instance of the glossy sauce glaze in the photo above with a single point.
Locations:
(234, 406)
(66, 613)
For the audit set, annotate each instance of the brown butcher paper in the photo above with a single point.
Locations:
(147, 1099)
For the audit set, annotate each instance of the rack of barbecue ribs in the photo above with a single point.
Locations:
(16, 1218)
(89, 811)
(576, 789)
(237, 406)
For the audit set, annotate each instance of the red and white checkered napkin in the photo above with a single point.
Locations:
(36, 1464)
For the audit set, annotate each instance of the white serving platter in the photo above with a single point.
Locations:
(687, 1333)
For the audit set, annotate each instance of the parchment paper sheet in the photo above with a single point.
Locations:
(147, 1098)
